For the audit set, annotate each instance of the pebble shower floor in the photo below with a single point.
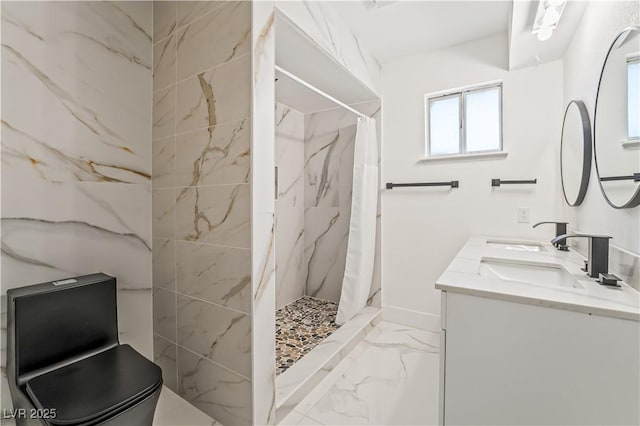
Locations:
(300, 327)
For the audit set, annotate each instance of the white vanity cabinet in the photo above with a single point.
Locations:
(509, 362)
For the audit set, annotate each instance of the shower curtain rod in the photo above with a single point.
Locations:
(318, 91)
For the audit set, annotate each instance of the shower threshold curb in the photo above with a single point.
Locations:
(296, 382)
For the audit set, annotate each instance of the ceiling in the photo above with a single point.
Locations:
(392, 30)
(524, 47)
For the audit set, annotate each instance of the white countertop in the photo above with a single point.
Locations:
(462, 276)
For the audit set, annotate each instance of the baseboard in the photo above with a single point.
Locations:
(411, 318)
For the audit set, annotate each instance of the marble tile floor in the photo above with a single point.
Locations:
(175, 411)
(170, 411)
(300, 327)
(390, 378)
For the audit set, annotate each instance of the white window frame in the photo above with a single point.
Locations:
(461, 92)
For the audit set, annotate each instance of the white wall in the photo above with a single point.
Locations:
(423, 228)
(582, 64)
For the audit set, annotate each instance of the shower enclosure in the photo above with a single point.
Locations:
(314, 160)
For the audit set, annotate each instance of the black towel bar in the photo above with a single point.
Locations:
(452, 184)
(498, 182)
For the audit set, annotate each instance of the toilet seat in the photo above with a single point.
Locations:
(95, 388)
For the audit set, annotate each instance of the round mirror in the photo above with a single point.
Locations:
(616, 122)
(575, 153)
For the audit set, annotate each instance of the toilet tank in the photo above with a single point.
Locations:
(58, 322)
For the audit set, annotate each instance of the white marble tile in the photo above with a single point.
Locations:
(164, 113)
(216, 96)
(329, 146)
(328, 175)
(135, 319)
(165, 355)
(226, 32)
(164, 211)
(202, 197)
(164, 162)
(321, 170)
(263, 315)
(309, 421)
(326, 237)
(175, 411)
(324, 26)
(263, 211)
(164, 63)
(215, 332)
(291, 265)
(291, 270)
(76, 150)
(74, 122)
(164, 313)
(58, 230)
(392, 379)
(220, 275)
(214, 214)
(293, 418)
(218, 392)
(294, 386)
(215, 155)
(189, 11)
(164, 264)
(290, 146)
(164, 19)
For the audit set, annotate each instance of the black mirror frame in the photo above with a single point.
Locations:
(586, 152)
(634, 201)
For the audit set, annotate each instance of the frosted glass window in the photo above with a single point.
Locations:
(633, 99)
(482, 120)
(444, 126)
(465, 122)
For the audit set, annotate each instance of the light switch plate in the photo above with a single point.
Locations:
(523, 214)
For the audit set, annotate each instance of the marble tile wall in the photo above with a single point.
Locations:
(76, 150)
(323, 24)
(202, 204)
(291, 266)
(263, 270)
(314, 154)
(328, 180)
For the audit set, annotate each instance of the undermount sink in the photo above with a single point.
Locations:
(517, 245)
(543, 274)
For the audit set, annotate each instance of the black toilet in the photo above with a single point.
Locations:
(65, 365)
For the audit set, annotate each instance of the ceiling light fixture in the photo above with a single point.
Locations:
(547, 18)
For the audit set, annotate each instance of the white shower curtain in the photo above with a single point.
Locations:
(361, 246)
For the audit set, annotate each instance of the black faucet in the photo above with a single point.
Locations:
(598, 255)
(561, 229)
